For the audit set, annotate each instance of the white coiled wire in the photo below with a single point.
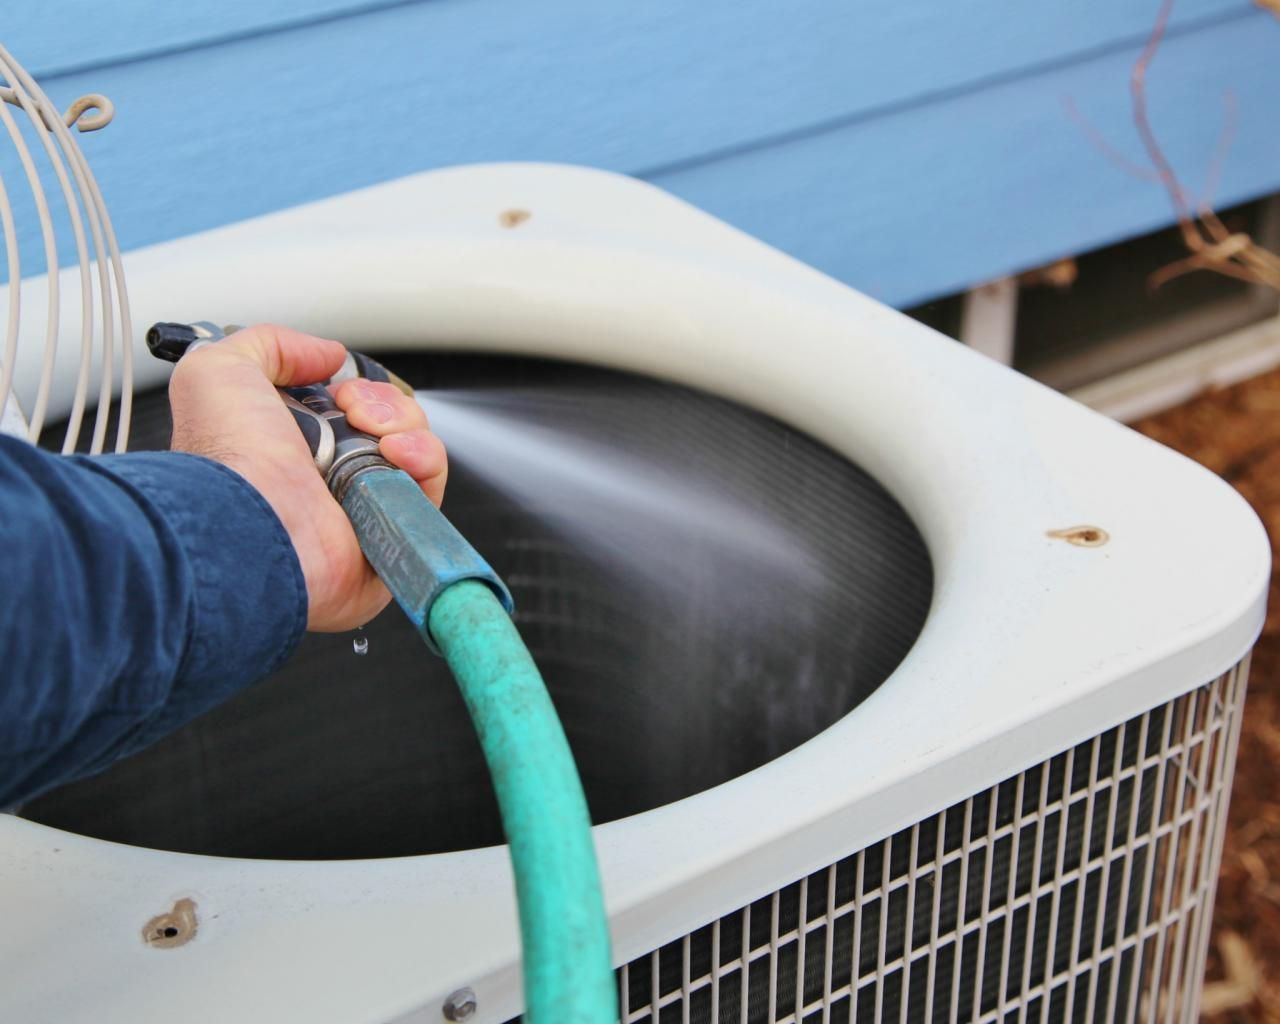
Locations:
(104, 307)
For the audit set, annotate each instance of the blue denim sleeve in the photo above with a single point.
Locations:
(136, 591)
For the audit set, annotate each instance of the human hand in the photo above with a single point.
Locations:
(225, 407)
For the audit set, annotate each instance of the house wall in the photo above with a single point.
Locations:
(909, 149)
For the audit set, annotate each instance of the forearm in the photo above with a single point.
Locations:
(136, 591)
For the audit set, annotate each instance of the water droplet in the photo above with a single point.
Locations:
(360, 643)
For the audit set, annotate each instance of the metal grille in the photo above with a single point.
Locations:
(56, 192)
(1079, 890)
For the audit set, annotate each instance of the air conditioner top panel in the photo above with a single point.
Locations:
(1033, 643)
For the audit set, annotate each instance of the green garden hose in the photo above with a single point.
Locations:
(568, 976)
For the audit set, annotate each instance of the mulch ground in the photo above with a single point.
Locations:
(1236, 433)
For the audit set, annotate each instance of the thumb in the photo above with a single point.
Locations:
(285, 356)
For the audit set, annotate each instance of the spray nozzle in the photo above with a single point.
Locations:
(408, 541)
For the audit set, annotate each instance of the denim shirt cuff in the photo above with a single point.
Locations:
(249, 599)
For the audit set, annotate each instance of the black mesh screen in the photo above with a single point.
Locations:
(672, 672)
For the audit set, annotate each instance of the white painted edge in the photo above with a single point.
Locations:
(1174, 379)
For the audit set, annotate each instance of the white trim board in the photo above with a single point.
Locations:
(1173, 379)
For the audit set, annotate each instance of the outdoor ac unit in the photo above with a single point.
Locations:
(967, 759)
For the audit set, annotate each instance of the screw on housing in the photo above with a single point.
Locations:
(461, 1005)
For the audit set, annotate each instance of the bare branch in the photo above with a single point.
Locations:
(1138, 91)
(1212, 246)
(1100, 143)
(1230, 117)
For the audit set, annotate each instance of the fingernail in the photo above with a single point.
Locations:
(366, 391)
(380, 412)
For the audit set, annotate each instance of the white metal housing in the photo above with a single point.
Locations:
(1036, 649)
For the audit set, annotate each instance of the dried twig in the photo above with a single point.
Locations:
(1211, 245)
(1100, 143)
(1243, 977)
(1230, 116)
(1138, 93)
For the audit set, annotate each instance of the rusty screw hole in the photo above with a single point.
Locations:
(174, 928)
(513, 218)
(1082, 536)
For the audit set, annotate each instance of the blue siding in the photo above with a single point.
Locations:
(955, 192)
(910, 149)
(88, 33)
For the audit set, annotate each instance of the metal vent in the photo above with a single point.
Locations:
(1079, 890)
